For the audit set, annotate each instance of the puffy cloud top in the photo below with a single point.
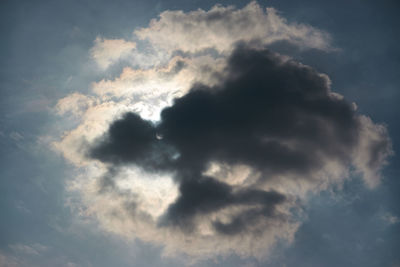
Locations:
(221, 27)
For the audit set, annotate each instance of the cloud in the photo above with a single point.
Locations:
(8, 260)
(208, 143)
(108, 51)
(128, 139)
(221, 27)
(270, 113)
(75, 103)
(33, 249)
(373, 140)
(390, 218)
(16, 136)
(273, 115)
(32, 255)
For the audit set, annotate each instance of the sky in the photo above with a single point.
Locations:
(199, 133)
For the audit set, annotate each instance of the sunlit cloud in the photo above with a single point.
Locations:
(267, 132)
(106, 52)
(221, 27)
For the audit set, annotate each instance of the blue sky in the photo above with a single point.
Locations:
(47, 54)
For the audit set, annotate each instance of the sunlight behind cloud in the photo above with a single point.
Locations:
(154, 191)
(228, 201)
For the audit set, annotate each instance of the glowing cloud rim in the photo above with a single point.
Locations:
(185, 49)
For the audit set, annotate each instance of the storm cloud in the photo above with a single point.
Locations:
(208, 142)
(272, 114)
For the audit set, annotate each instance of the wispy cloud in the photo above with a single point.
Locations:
(33, 249)
(106, 52)
(390, 218)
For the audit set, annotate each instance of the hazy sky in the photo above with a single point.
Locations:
(203, 133)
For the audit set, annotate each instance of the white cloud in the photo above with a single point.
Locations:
(91, 124)
(221, 27)
(368, 157)
(108, 51)
(74, 103)
(133, 215)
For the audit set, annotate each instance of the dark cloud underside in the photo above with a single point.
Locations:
(272, 114)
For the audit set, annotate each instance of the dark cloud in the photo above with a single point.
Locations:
(128, 139)
(205, 194)
(132, 140)
(263, 107)
(270, 113)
